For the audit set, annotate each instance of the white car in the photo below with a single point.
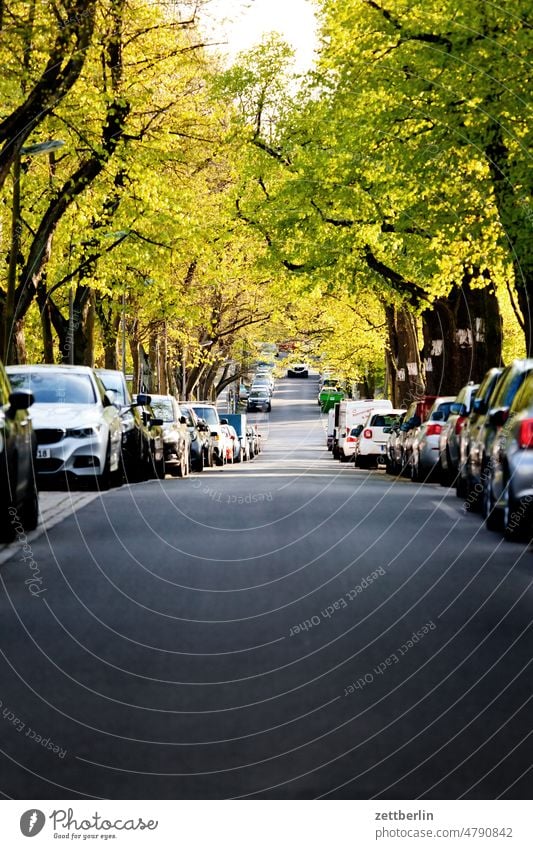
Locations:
(351, 414)
(371, 447)
(77, 427)
(298, 370)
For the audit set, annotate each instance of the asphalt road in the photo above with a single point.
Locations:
(248, 632)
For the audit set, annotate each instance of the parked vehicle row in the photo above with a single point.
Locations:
(480, 442)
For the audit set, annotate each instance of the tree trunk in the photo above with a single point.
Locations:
(462, 337)
(403, 356)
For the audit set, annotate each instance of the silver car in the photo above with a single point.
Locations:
(449, 443)
(77, 427)
(424, 458)
(508, 487)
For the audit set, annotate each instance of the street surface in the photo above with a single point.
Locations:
(287, 628)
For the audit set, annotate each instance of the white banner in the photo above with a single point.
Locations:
(267, 824)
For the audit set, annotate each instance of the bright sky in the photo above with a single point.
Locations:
(242, 23)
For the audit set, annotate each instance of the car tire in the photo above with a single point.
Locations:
(517, 524)
(492, 514)
(414, 470)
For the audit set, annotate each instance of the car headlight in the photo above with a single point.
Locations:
(84, 432)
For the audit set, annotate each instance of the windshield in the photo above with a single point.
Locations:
(55, 387)
(207, 413)
(163, 409)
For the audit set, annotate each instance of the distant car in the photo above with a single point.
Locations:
(470, 430)
(371, 447)
(230, 437)
(416, 413)
(155, 464)
(135, 435)
(509, 485)
(176, 439)
(424, 458)
(262, 383)
(351, 414)
(239, 422)
(201, 440)
(450, 435)
(481, 443)
(77, 427)
(258, 399)
(393, 459)
(209, 413)
(299, 370)
(19, 506)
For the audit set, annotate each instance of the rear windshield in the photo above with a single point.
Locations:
(384, 420)
(442, 411)
(55, 387)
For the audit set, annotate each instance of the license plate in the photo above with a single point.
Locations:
(43, 453)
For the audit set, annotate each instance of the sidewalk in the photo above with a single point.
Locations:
(54, 507)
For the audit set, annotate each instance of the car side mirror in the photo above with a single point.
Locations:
(224, 421)
(156, 422)
(387, 430)
(183, 420)
(499, 416)
(142, 400)
(20, 400)
(213, 433)
(479, 406)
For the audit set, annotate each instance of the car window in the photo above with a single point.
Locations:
(383, 420)
(163, 409)
(207, 413)
(116, 384)
(443, 410)
(524, 397)
(56, 387)
(508, 388)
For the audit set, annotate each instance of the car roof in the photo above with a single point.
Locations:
(51, 367)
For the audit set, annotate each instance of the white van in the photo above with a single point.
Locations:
(351, 414)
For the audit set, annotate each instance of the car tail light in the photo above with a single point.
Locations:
(351, 439)
(367, 433)
(459, 424)
(433, 429)
(525, 434)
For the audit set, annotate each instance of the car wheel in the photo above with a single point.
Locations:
(30, 507)
(414, 470)
(491, 513)
(517, 525)
(198, 466)
(460, 486)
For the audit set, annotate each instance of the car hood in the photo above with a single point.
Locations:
(65, 415)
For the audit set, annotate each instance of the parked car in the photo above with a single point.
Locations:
(298, 370)
(424, 457)
(176, 439)
(450, 435)
(251, 438)
(202, 453)
(416, 413)
(209, 413)
(258, 399)
(393, 457)
(482, 441)
(19, 505)
(471, 428)
(330, 428)
(136, 437)
(76, 425)
(229, 439)
(351, 414)
(508, 488)
(256, 439)
(239, 422)
(371, 446)
(155, 464)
